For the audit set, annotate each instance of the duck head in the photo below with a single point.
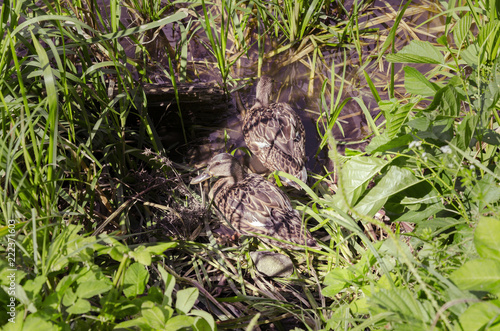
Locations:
(221, 165)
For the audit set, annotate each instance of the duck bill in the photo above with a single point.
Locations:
(202, 177)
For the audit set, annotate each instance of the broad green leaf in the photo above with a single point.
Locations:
(139, 322)
(462, 30)
(397, 119)
(478, 275)
(160, 248)
(395, 180)
(417, 52)
(470, 55)
(442, 129)
(489, 38)
(35, 322)
(136, 278)
(201, 324)
(481, 316)
(93, 272)
(412, 199)
(360, 306)
(487, 238)
(83, 251)
(431, 196)
(115, 250)
(69, 297)
(485, 192)
(92, 288)
(420, 123)
(465, 131)
(15, 324)
(155, 294)
(186, 299)
(169, 285)
(357, 173)
(339, 275)
(52, 302)
(32, 286)
(21, 295)
(385, 282)
(443, 40)
(153, 315)
(81, 306)
(416, 83)
(179, 322)
(66, 282)
(336, 280)
(447, 100)
(388, 106)
(491, 137)
(450, 104)
(167, 311)
(206, 316)
(383, 142)
(116, 306)
(63, 247)
(141, 255)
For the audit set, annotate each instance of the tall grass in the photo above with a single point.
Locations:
(226, 25)
(57, 120)
(66, 91)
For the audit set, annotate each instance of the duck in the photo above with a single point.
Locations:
(253, 205)
(275, 134)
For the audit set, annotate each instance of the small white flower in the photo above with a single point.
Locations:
(445, 149)
(415, 143)
(471, 167)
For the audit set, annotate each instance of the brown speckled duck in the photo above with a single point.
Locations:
(275, 134)
(253, 205)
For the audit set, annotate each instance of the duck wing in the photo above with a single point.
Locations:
(248, 205)
(276, 135)
(255, 205)
(290, 137)
(276, 126)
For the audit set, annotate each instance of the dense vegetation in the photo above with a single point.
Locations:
(82, 191)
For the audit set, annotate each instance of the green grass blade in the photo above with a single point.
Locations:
(53, 106)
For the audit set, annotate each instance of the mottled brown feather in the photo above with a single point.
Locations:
(255, 206)
(275, 135)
